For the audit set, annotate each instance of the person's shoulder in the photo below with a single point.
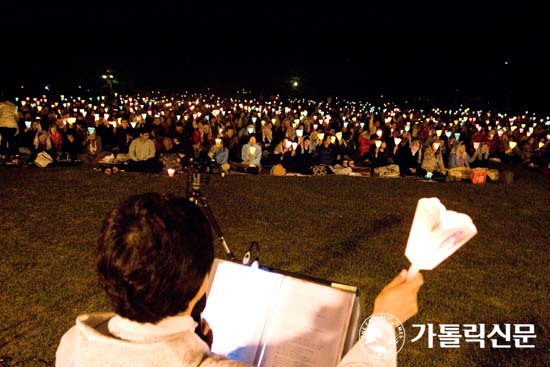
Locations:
(67, 344)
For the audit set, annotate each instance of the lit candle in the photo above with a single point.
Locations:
(171, 172)
(436, 233)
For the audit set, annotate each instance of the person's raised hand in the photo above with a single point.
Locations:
(399, 297)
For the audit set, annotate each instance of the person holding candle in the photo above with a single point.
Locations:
(283, 152)
(28, 136)
(303, 158)
(409, 158)
(42, 143)
(527, 150)
(251, 155)
(459, 163)
(153, 259)
(219, 152)
(326, 152)
(433, 160)
(480, 156)
(93, 147)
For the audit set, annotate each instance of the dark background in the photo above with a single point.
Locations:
(447, 52)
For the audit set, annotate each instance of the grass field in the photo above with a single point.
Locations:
(350, 229)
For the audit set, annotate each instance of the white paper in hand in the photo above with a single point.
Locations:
(436, 234)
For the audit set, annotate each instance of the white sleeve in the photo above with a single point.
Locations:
(362, 355)
(65, 350)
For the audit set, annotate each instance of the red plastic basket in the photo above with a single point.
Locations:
(478, 177)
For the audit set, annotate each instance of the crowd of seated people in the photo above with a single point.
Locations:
(147, 133)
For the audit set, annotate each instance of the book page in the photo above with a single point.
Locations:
(308, 326)
(237, 307)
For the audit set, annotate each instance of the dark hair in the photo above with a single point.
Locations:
(153, 254)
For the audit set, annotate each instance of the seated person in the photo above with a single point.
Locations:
(380, 154)
(72, 146)
(154, 255)
(178, 136)
(42, 143)
(27, 137)
(123, 137)
(459, 157)
(142, 154)
(409, 158)
(106, 131)
(480, 156)
(326, 152)
(93, 147)
(433, 160)
(459, 163)
(219, 152)
(232, 143)
(251, 154)
(283, 152)
(382, 163)
(303, 158)
(56, 137)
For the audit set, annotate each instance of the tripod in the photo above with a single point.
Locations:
(196, 196)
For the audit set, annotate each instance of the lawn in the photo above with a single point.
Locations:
(349, 229)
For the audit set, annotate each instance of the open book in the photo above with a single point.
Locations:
(436, 233)
(264, 318)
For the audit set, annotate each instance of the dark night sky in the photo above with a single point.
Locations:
(454, 49)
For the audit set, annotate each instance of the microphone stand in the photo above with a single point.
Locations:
(197, 197)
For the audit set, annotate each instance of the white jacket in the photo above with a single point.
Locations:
(108, 340)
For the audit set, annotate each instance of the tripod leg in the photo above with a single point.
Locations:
(206, 209)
